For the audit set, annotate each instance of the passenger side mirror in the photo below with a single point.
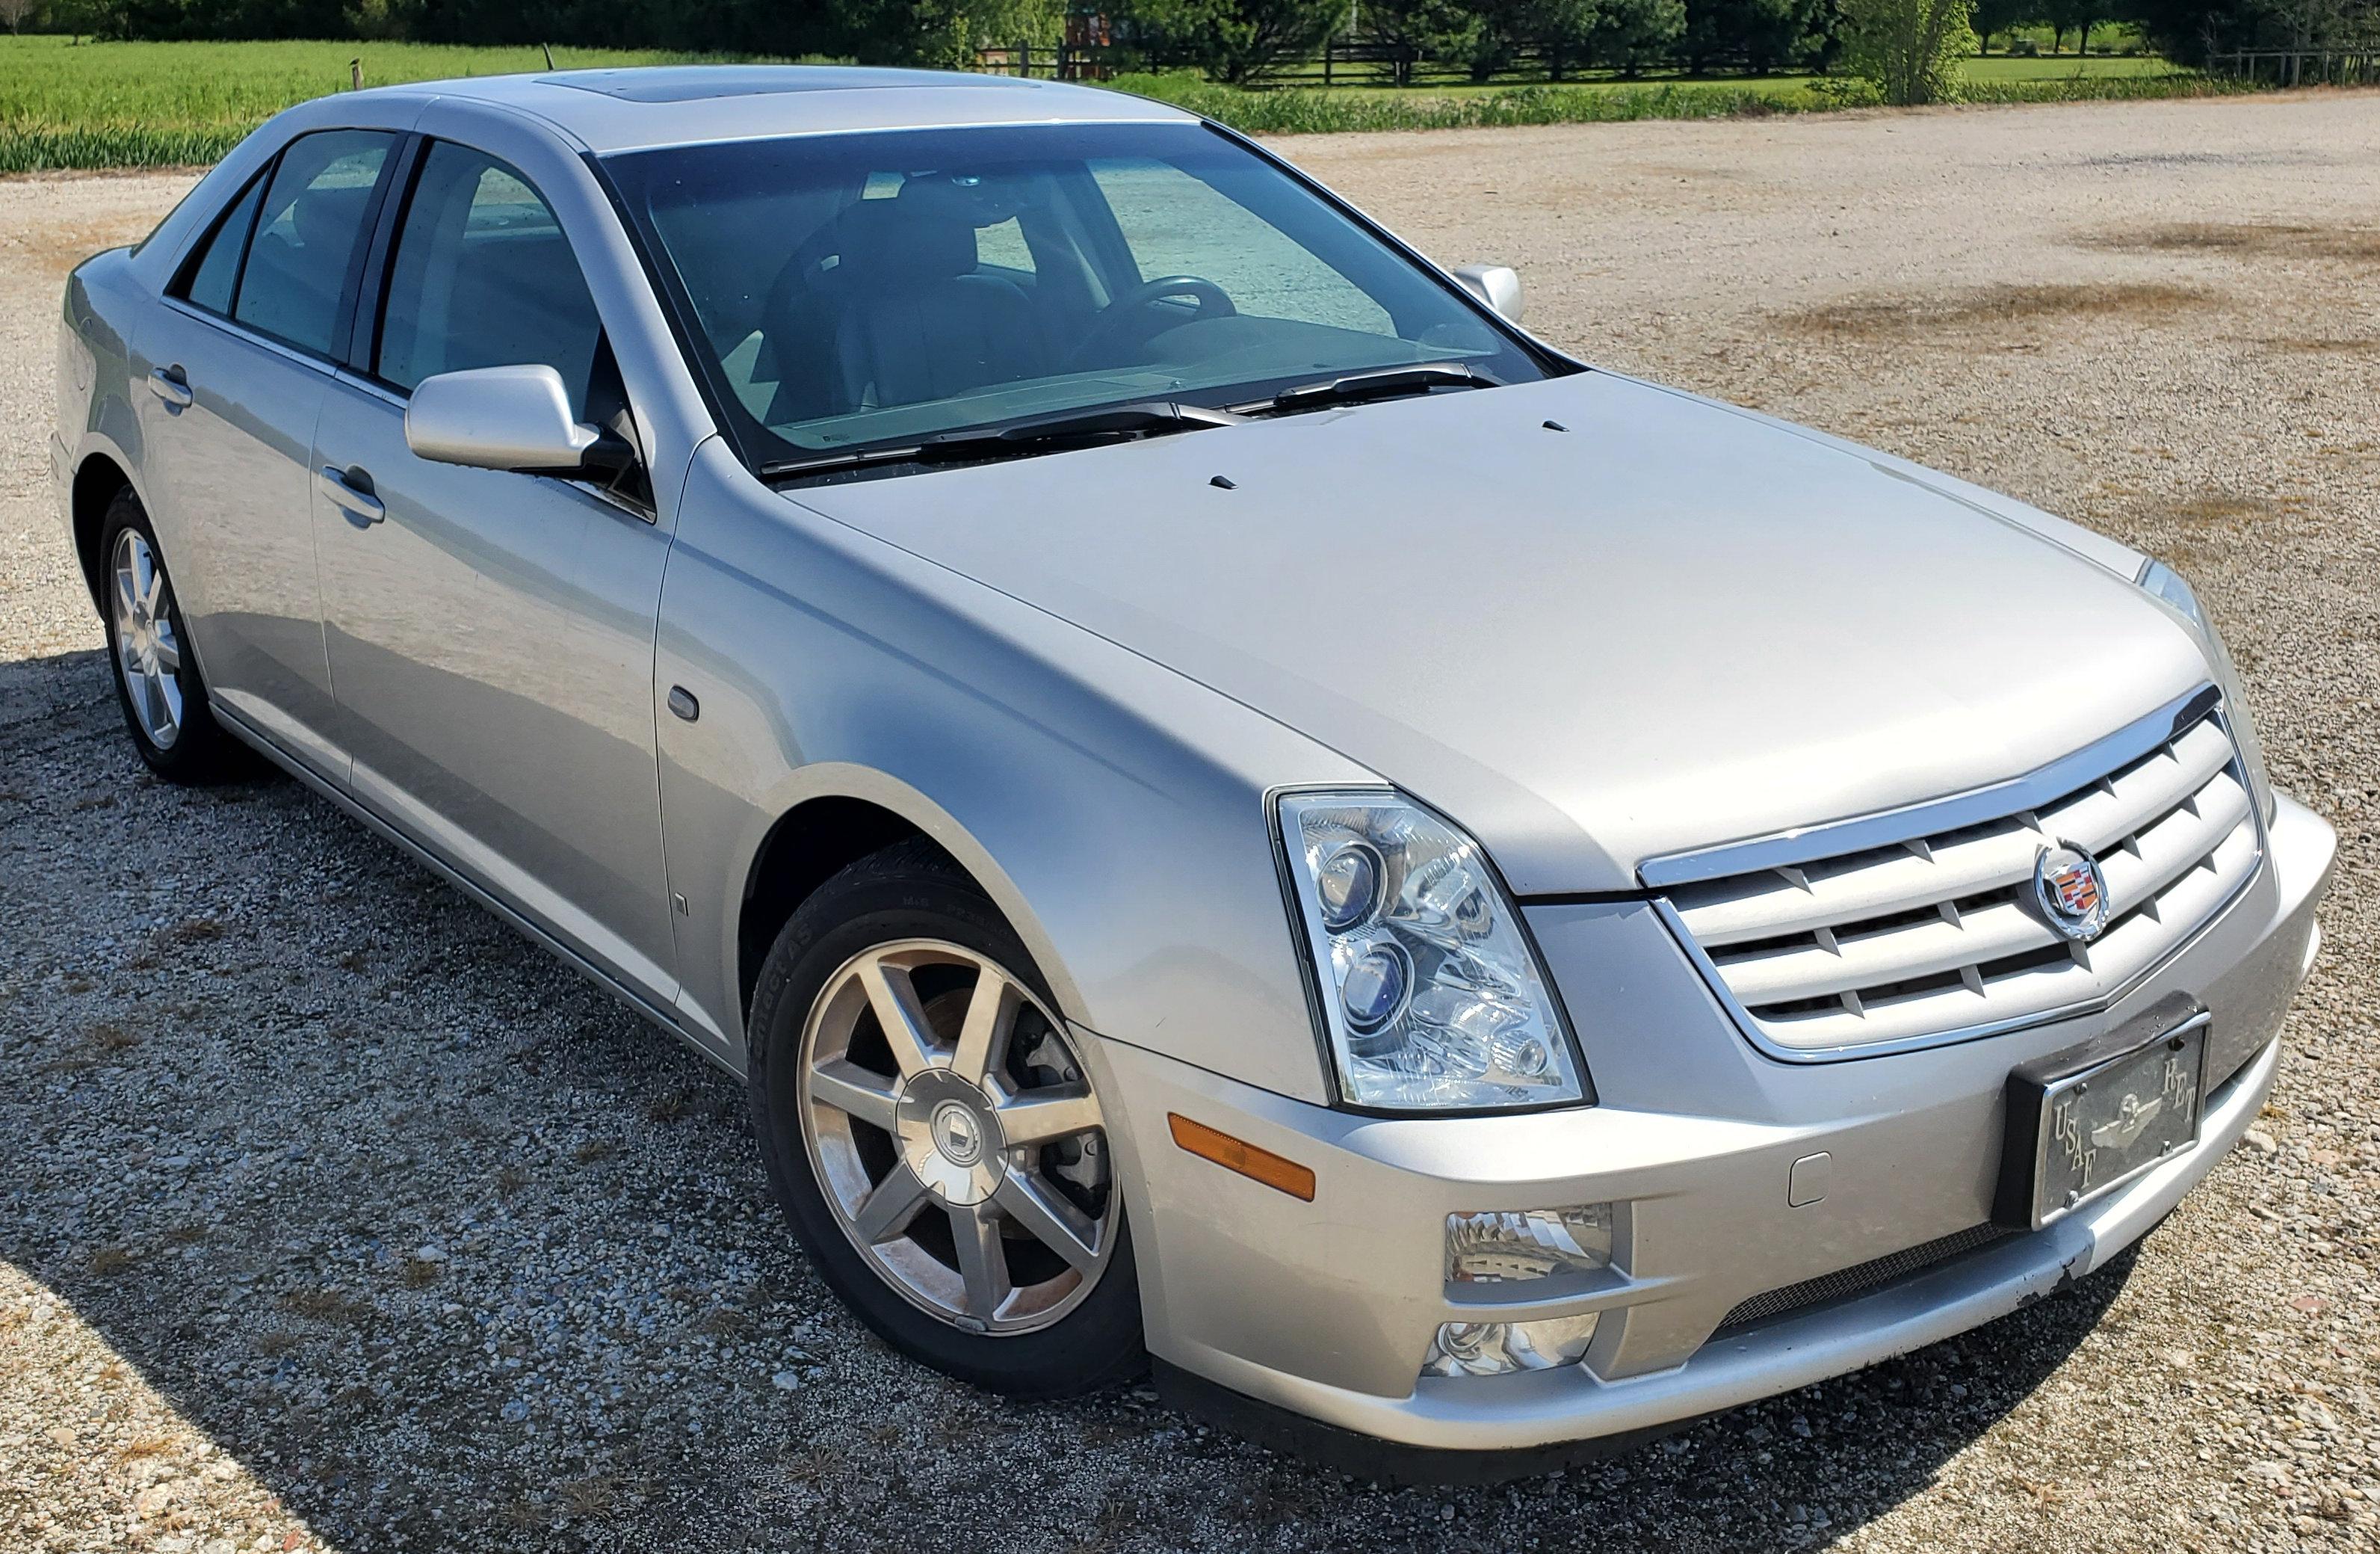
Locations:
(505, 418)
(1498, 286)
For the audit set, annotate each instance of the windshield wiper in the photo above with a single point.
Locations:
(1042, 434)
(1381, 385)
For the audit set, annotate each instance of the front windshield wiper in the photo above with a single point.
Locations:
(1381, 385)
(1016, 439)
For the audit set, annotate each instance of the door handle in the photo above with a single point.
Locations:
(363, 508)
(169, 385)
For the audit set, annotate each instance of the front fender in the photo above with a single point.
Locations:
(1113, 809)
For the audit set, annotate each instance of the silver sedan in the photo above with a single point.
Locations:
(1232, 807)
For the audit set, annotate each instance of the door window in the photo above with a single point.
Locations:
(217, 270)
(484, 278)
(313, 220)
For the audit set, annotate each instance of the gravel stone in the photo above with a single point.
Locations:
(256, 1068)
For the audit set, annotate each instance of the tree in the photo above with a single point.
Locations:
(1413, 30)
(1233, 41)
(2001, 16)
(1760, 35)
(1911, 49)
(2077, 16)
(14, 13)
(1629, 35)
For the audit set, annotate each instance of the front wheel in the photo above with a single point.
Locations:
(934, 1136)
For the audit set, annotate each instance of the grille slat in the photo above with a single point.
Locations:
(1940, 933)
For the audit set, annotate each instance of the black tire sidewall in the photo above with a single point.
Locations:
(202, 752)
(905, 893)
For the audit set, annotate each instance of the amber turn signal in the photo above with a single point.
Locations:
(1238, 1154)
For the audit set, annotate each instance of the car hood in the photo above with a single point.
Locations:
(1655, 625)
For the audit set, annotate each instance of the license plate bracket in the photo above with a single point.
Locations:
(2083, 1121)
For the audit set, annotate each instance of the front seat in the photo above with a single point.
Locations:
(916, 322)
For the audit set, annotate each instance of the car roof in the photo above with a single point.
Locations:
(679, 105)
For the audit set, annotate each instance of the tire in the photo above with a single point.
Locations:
(1021, 1318)
(157, 681)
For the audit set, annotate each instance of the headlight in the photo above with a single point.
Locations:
(1430, 991)
(2166, 584)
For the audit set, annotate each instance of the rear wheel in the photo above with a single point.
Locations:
(157, 681)
(934, 1136)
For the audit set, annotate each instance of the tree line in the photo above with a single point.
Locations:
(1242, 41)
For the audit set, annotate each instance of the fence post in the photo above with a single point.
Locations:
(1025, 59)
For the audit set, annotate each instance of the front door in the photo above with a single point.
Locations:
(236, 362)
(490, 634)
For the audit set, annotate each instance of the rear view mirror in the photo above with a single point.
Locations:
(499, 417)
(1498, 286)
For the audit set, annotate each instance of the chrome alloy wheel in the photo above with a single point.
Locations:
(148, 654)
(955, 1136)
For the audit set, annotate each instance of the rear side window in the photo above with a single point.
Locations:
(484, 276)
(306, 235)
(217, 270)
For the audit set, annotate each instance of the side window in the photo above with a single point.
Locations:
(1177, 225)
(483, 276)
(217, 270)
(307, 235)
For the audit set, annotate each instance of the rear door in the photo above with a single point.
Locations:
(236, 358)
(491, 633)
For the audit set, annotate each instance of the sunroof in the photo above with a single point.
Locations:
(694, 82)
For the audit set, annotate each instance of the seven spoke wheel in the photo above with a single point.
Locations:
(956, 1137)
(147, 651)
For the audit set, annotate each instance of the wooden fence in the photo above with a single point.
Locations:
(1338, 63)
(2344, 67)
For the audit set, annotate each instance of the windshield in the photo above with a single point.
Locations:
(857, 291)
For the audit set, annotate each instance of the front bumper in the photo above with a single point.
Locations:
(1326, 1308)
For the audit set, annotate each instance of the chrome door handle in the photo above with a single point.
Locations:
(169, 385)
(363, 508)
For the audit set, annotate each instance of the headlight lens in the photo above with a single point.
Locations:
(2168, 585)
(1430, 991)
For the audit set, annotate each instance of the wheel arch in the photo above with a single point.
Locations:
(97, 480)
(842, 813)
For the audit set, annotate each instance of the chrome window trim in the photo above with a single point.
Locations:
(240, 331)
(1981, 804)
(1834, 837)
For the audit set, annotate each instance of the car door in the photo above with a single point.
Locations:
(490, 633)
(236, 358)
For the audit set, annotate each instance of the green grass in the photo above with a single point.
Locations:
(69, 104)
(81, 104)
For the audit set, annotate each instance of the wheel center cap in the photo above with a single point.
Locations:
(957, 1137)
(950, 1136)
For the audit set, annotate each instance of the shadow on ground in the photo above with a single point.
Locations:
(451, 1251)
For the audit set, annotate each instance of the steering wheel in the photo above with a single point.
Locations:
(1120, 316)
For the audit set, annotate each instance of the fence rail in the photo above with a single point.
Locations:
(1337, 62)
(2335, 67)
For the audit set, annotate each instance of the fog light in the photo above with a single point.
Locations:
(1501, 1348)
(1528, 1243)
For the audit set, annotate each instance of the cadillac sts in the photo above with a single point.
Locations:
(1230, 806)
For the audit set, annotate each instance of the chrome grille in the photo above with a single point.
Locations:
(1935, 934)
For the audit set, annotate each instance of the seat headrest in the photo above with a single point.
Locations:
(906, 241)
(330, 215)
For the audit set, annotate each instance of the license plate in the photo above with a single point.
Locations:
(2085, 1121)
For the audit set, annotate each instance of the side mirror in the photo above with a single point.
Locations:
(500, 418)
(1498, 286)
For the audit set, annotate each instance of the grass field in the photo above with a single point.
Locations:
(82, 104)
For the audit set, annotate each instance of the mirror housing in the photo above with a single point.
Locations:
(1498, 286)
(500, 418)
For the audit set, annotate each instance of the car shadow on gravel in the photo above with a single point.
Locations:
(450, 1250)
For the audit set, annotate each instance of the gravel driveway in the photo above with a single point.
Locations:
(334, 1215)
